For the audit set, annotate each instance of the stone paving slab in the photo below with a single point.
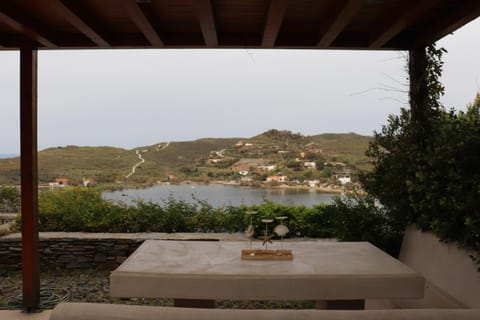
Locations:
(20, 315)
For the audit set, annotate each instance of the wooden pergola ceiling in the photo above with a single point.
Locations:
(310, 24)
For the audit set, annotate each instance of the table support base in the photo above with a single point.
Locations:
(341, 304)
(194, 303)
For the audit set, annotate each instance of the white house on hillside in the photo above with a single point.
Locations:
(310, 165)
(277, 179)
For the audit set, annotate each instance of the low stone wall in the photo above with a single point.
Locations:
(84, 250)
(7, 218)
(71, 253)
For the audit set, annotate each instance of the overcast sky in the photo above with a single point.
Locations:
(130, 98)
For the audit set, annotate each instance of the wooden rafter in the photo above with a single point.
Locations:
(25, 25)
(276, 13)
(142, 22)
(207, 22)
(453, 20)
(408, 15)
(339, 23)
(81, 21)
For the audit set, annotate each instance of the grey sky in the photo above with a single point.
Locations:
(140, 97)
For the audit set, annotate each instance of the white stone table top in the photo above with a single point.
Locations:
(214, 270)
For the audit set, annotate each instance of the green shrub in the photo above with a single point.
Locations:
(9, 200)
(71, 209)
(83, 209)
(359, 218)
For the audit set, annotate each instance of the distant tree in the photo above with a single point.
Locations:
(320, 164)
(295, 165)
(308, 175)
(327, 172)
(186, 170)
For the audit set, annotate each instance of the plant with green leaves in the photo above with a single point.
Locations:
(426, 168)
(9, 200)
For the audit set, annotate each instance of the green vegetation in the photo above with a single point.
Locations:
(106, 164)
(9, 200)
(348, 147)
(426, 170)
(83, 209)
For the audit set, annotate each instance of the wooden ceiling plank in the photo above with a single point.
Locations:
(82, 22)
(450, 22)
(410, 13)
(25, 25)
(142, 23)
(276, 13)
(207, 22)
(342, 19)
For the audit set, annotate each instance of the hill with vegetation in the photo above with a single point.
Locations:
(199, 160)
(349, 147)
(74, 163)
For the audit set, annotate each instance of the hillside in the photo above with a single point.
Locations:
(349, 147)
(203, 159)
(175, 158)
(104, 163)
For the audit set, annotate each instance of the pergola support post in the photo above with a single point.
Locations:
(417, 69)
(29, 178)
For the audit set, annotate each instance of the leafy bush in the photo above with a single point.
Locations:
(359, 218)
(446, 193)
(67, 209)
(9, 200)
(436, 187)
(426, 166)
(83, 209)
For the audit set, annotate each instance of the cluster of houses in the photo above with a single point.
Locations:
(65, 182)
(341, 173)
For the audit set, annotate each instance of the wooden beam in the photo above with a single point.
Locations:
(461, 15)
(142, 22)
(207, 22)
(276, 13)
(24, 24)
(29, 178)
(82, 21)
(339, 23)
(408, 15)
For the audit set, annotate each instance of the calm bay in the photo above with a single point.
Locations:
(219, 195)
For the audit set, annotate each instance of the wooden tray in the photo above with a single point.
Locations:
(259, 254)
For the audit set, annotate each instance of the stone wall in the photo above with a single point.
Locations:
(70, 253)
(90, 250)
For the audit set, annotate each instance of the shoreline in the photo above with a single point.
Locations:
(120, 187)
(324, 190)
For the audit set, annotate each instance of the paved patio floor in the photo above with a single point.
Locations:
(20, 315)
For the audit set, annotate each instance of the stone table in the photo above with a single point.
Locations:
(320, 270)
